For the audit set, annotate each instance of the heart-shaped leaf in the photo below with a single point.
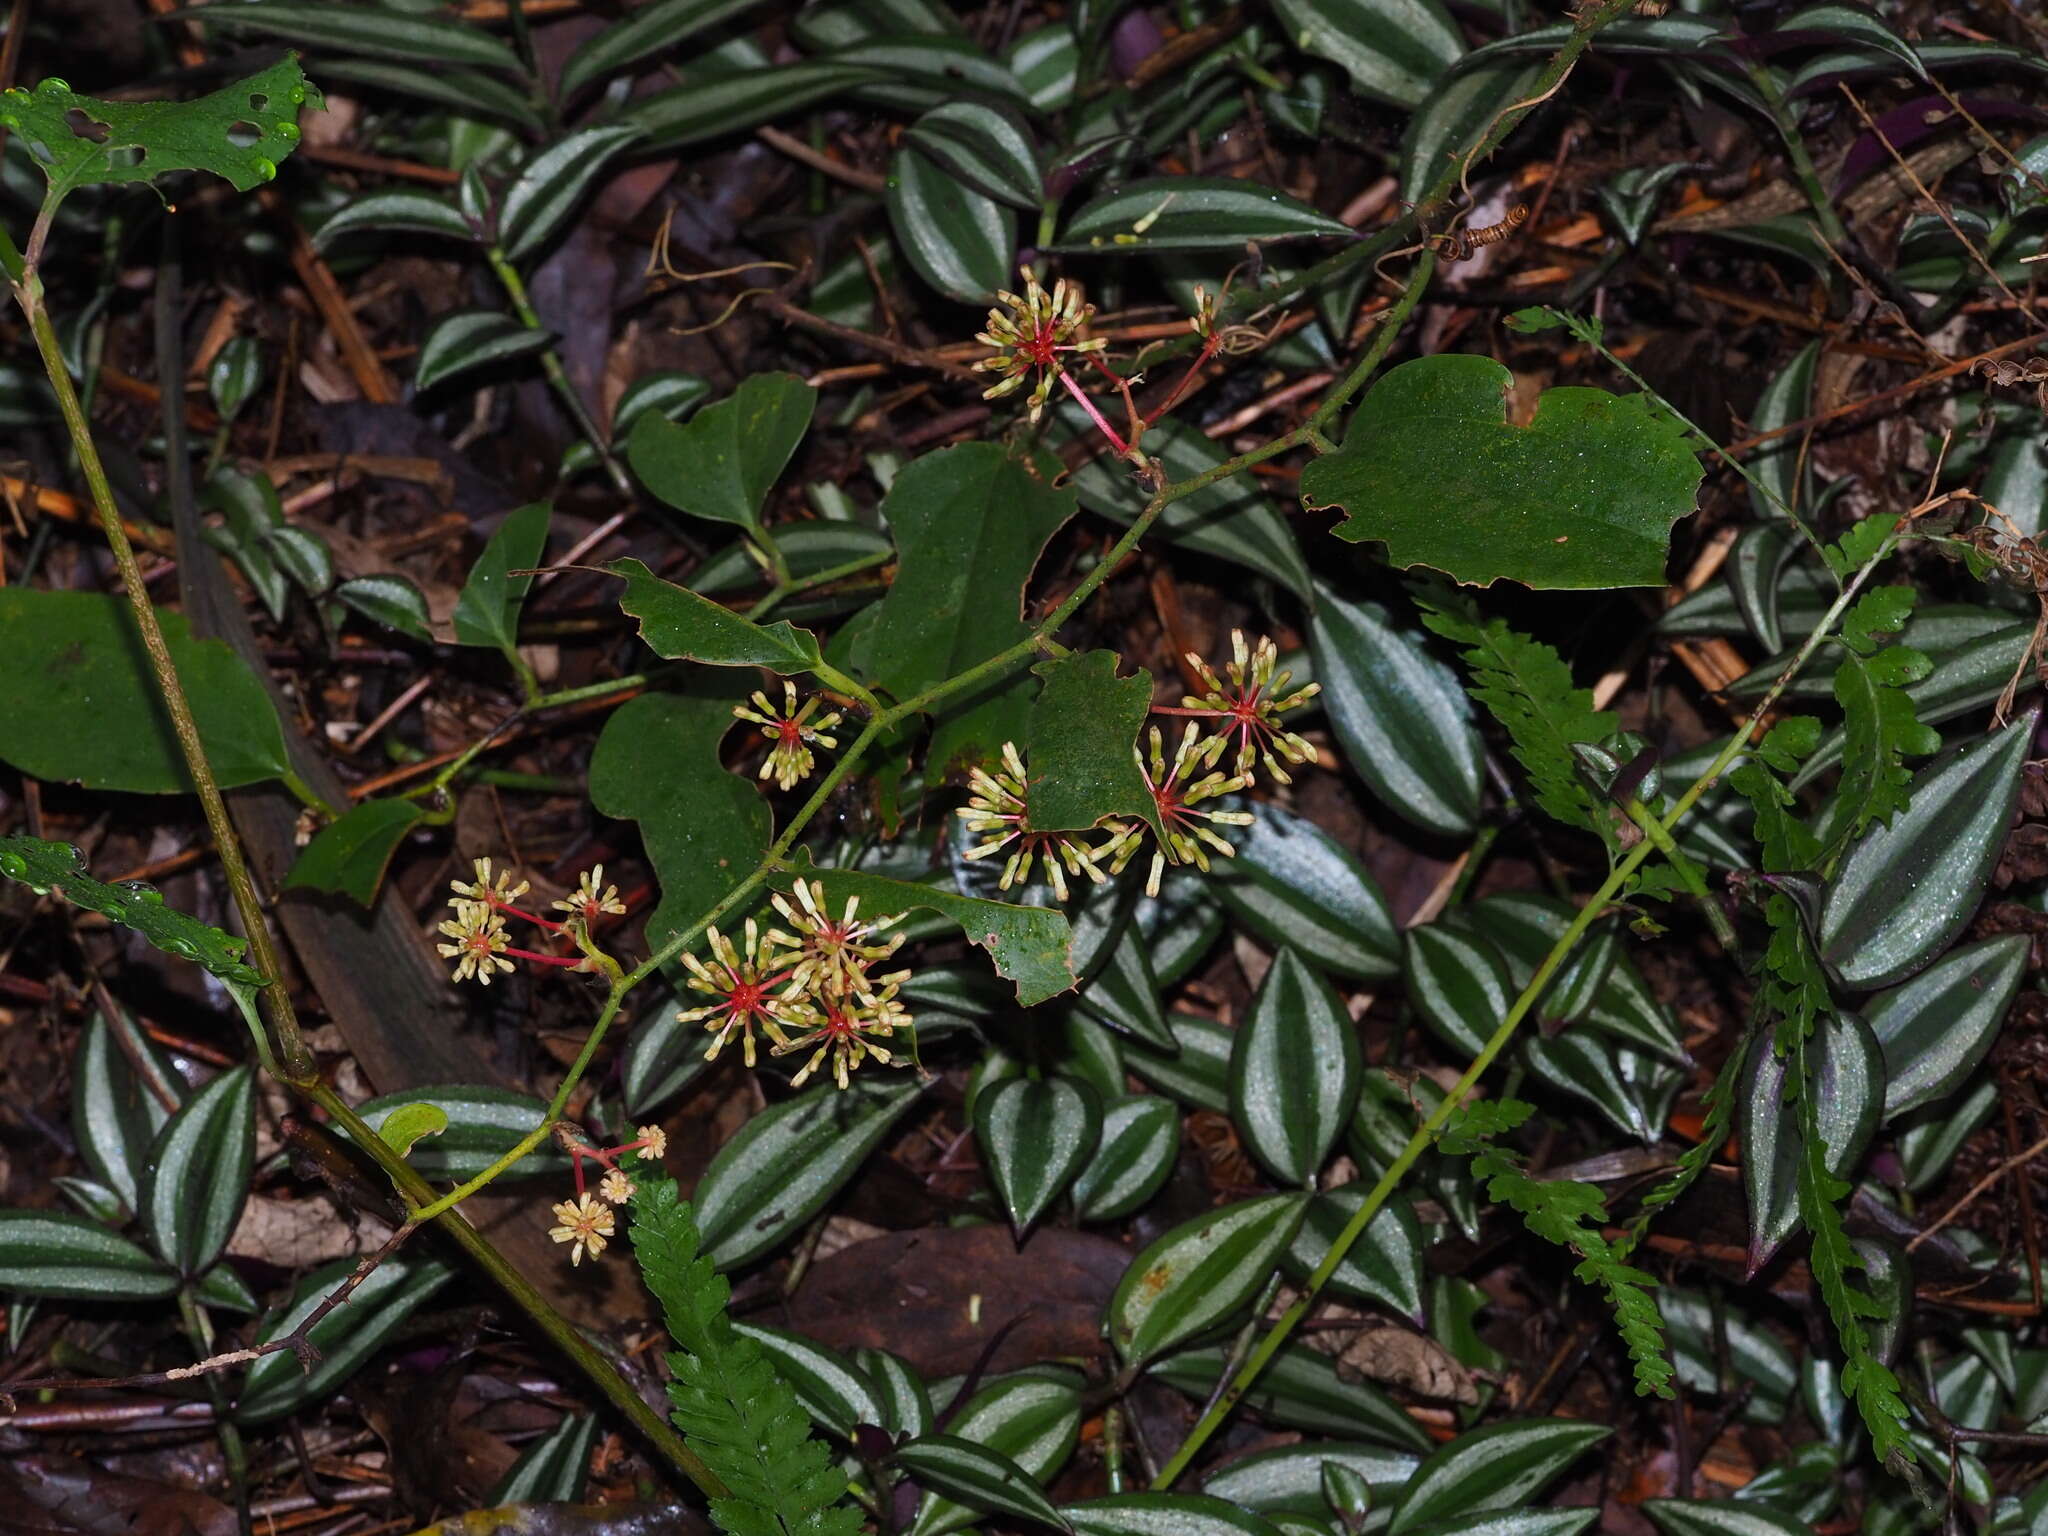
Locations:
(723, 461)
(349, 856)
(1584, 496)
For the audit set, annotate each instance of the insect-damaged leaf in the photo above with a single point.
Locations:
(1084, 724)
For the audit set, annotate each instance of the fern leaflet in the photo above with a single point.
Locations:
(1879, 728)
(733, 1410)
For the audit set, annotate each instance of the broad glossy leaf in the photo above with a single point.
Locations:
(1294, 1070)
(389, 600)
(970, 521)
(83, 707)
(1084, 724)
(471, 339)
(961, 241)
(1191, 213)
(397, 210)
(1300, 1388)
(1026, 944)
(1294, 884)
(1034, 1136)
(1032, 1420)
(1459, 983)
(1383, 1268)
(1198, 1074)
(382, 31)
(1906, 890)
(115, 1113)
(640, 34)
(484, 1123)
(986, 144)
(53, 1253)
(833, 1390)
(1399, 712)
(552, 1467)
(1231, 519)
(715, 106)
(240, 132)
(1290, 1480)
(1133, 1157)
(199, 1172)
(345, 1337)
(680, 624)
(1720, 1517)
(1935, 1028)
(1847, 1066)
(657, 763)
(722, 462)
(1199, 1274)
(1460, 107)
(487, 610)
(1500, 1466)
(348, 856)
(786, 1162)
(1585, 496)
(1163, 1514)
(978, 1476)
(1393, 50)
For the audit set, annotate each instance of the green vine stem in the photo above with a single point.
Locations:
(1567, 941)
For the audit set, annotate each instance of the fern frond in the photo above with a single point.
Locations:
(1719, 1105)
(732, 1408)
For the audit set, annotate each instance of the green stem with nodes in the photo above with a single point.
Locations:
(1688, 874)
(551, 365)
(1418, 1143)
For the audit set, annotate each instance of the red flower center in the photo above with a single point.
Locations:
(792, 734)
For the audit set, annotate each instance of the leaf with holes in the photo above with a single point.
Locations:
(1584, 496)
(1034, 1136)
(239, 133)
(1199, 1274)
(349, 855)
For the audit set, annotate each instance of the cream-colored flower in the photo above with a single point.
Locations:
(1251, 706)
(586, 1223)
(848, 1029)
(998, 806)
(653, 1142)
(492, 891)
(1030, 338)
(792, 732)
(1176, 793)
(832, 954)
(616, 1187)
(587, 903)
(742, 982)
(480, 942)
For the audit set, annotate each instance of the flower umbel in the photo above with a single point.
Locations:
(586, 902)
(616, 1187)
(792, 732)
(1176, 794)
(998, 808)
(1030, 338)
(832, 954)
(480, 942)
(1251, 706)
(846, 1028)
(743, 981)
(586, 1223)
(652, 1143)
(492, 891)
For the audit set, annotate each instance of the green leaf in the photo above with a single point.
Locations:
(1498, 1467)
(470, 339)
(640, 34)
(83, 705)
(1936, 1027)
(487, 611)
(1462, 105)
(1585, 496)
(236, 374)
(1300, 1388)
(716, 106)
(705, 829)
(1032, 1420)
(552, 1468)
(1720, 1517)
(979, 1476)
(1133, 1157)
(1029, 945)
(786, 1162)
(808, 547)
(1598, 985)
(115, 1112)
(1034, 1136)
(344, 1339)
(382, 31)
(1084, 724)
(1163, 1514)
(1294, 884)
(1846, 1064)
(722, 462)
(1231, 519)
(834, 1391)
(1393, 50)
(349, 855)
(906, 1403)
(1293, 1070)
(551, 184)
(468, 93)
(1198, 1074)
(1784, 465)
(483, 1123)
(390, 600)
(1717, 1349)
(1289, 1480)
(680, 624)
(970, 521)
(1459, 984)
(959, 240)
(1198, 1274)
(1878, 732)
(915, 71)
(59, 868)
(399, 210)
(1398, 712)
(1906, 890)
(53, 1253)
(239, 133)
(1384, 1267)
(199, 1173)
(986, 144)
(409, 1123)
(1191, 213)
(1527, 1522)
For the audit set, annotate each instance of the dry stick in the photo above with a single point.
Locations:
(794, 147)
(2017, 1160)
